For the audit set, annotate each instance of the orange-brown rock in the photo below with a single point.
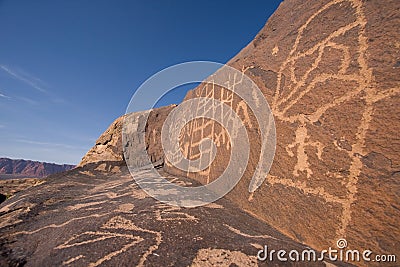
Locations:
(108, 146)
(330, 72)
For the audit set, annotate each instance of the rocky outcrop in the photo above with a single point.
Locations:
(329, 70)
(109, 145)
(27, 168)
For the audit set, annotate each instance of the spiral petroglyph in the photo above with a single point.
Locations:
(206, 109)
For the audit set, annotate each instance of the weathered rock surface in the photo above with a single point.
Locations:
(109, 145)
(10, 187)
(97, 216)
(27, 168)
(330, 72)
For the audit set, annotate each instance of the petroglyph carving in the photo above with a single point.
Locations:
(305, 95)
(275, 50)
(132, 238)
(226, 105)
(170, 213)
(301, 141)
(296, 88)
(237, 231)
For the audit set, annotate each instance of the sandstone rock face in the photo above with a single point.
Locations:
(109, 146)
(330, 72)
(28, 168)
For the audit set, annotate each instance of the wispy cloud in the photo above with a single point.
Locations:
(28, 79)
(53, 145)
(2, 126)
(31, 77)
(4, 96)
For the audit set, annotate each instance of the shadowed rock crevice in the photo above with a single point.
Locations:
(2, 198)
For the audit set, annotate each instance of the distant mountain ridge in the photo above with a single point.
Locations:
(29, 168)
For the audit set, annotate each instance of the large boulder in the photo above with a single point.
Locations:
(109, 145)
(330, 72)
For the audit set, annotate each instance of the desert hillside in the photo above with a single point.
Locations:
(26, 168)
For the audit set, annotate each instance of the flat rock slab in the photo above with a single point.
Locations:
(100, 217)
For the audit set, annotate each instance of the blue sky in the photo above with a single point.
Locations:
(69, 68)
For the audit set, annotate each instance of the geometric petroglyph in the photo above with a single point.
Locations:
(166, 212)
(223, 127)
(194, 132)
(122, 241)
